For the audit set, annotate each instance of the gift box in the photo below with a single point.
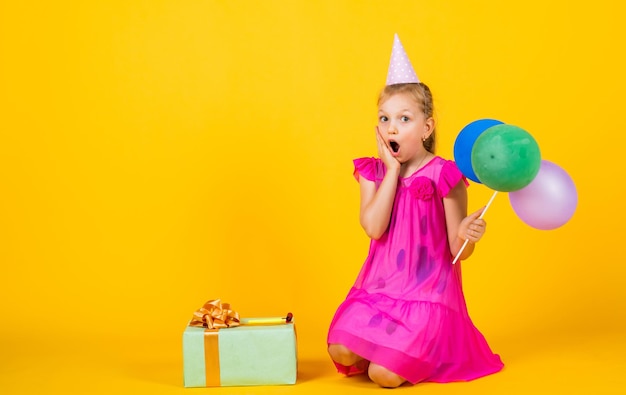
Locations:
(219, 350)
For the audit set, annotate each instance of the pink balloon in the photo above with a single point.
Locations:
(549, 201)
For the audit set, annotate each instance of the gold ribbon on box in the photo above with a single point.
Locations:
(213, 316)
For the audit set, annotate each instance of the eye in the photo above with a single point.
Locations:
(383, 118)
(405, 118)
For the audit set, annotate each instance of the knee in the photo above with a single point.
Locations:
(342, 355)
(384, 377)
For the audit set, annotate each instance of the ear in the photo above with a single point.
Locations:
(429, 126)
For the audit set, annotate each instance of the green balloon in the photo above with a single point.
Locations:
(505, 158)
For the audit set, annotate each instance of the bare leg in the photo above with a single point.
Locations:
(342, 355)
(384, 377)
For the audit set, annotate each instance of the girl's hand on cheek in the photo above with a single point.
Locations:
(384, 152)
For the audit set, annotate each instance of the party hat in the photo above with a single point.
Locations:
(400, 68)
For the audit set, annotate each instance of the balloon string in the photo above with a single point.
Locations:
(456, 258)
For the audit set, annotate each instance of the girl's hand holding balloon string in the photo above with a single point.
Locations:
(481, 214)
(472, 227)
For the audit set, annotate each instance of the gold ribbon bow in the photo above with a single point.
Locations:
(215, 315)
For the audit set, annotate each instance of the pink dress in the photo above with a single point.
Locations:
(406, 311)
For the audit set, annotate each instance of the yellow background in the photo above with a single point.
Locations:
(157, 154)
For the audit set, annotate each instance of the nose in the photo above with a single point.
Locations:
(392, 129)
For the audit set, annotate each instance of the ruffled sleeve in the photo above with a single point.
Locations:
(370, 168)
(449, 177)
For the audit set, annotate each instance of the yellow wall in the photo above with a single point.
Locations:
(157, 154)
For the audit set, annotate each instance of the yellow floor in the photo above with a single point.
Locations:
(591, 363)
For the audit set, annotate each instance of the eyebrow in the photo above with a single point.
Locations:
(401, 111)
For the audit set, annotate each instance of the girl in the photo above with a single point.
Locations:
(405, 318)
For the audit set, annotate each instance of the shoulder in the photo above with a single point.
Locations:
(448, 175)
(371, 169)
(444, 164)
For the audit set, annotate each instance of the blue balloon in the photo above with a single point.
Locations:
(465, 142)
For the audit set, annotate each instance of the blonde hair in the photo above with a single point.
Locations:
(424, 98)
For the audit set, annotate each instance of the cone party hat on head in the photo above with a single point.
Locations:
(400, 68)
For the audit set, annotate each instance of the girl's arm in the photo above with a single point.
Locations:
(376, 204)
(460, 225)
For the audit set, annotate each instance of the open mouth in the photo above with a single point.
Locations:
(394, 146)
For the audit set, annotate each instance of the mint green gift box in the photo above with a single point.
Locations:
(240, 356)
